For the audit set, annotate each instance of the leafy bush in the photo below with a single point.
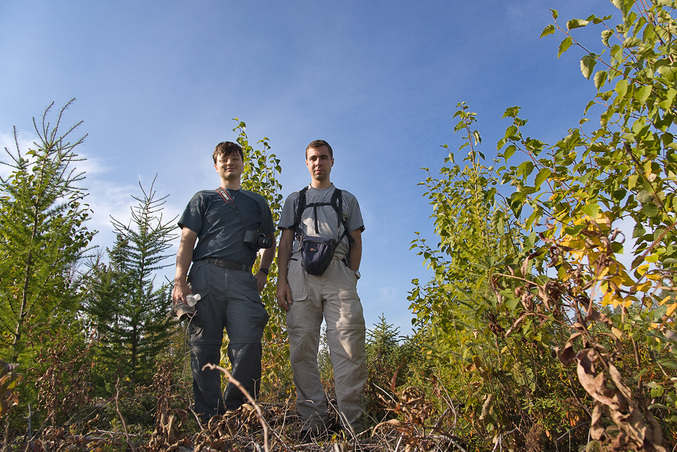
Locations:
(530, 280)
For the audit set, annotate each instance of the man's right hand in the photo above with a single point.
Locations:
(184, 256)
(180, 291)
(283, 295)
(283, 255)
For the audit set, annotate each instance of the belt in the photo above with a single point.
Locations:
(223, 263)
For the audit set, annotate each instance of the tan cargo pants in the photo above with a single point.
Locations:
(334, 296)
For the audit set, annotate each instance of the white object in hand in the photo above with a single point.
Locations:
(192, 299)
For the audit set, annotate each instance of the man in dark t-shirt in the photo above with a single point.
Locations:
(222, 231)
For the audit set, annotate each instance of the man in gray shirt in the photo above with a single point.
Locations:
(308, 297)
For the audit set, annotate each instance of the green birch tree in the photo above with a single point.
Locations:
(260, 175)
(587, 304)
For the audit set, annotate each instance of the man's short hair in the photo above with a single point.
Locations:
(226, 148)
(318, 144)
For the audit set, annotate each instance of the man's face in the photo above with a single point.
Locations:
(229, 166)
(319, 163)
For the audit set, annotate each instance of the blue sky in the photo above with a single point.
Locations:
(158, 83)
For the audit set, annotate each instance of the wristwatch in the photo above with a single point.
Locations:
(357, 274)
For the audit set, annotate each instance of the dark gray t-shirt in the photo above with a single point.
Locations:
(327, 221)
(218, 227)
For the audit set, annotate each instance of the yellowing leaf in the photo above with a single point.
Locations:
(608, 298)
(642, 269)
(563, 274)
(643, 287)
(632, 181)
(550, 29)
(627, 280)
(671, 309)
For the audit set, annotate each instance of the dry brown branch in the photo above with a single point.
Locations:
(636, 426)
(122, 419)
(259, 413)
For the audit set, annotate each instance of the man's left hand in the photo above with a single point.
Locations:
(261, 280)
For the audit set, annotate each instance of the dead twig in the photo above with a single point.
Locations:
(259, 413)
(122, 419)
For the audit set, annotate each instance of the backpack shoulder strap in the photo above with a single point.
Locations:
(337, 204)
(300, 207)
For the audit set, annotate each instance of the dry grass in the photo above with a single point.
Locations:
(253, 427)
(179, 430)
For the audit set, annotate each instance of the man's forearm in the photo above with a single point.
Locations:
(184, 255)
(356, 250)
(283, 257)
(268, 256)
(284, 254)
(183, 260)
(355, 257)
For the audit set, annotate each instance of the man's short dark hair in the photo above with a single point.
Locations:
(226, 148)
(318, 144)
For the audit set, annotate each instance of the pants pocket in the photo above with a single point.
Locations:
(199, 277)
(296, 277)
